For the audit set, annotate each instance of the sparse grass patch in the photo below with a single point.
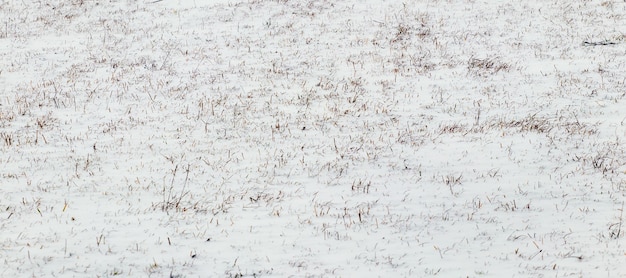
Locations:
(7, 138)
(606, 160)
(451, 181)
(486, 66)
(615, 229)
(175, 194)
(530, 123)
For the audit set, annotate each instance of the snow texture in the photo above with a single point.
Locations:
(318, 138)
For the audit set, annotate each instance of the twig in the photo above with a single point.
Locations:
(182, 192)
(621, 219)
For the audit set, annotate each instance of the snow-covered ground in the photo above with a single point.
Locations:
(273, 138)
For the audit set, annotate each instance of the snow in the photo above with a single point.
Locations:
(266, 138)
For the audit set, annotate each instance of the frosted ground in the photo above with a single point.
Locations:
(312, 138)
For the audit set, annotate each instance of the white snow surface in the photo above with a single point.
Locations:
(317, 138)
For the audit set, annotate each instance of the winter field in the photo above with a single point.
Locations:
(316, 138)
